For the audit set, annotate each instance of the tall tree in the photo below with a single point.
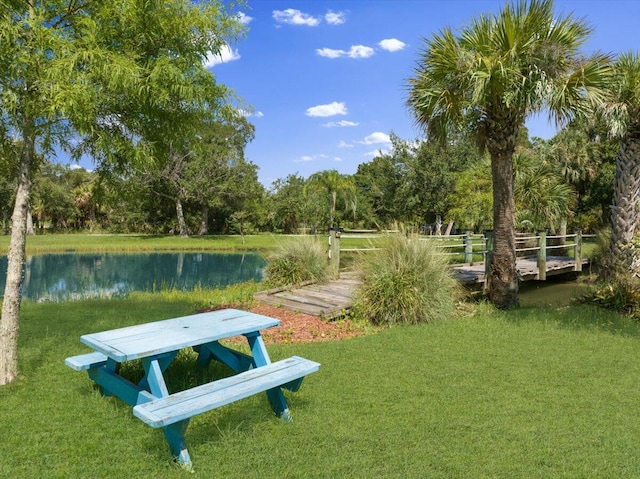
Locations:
(333, 183)
(111, 71)
(621, 113)
(489, 79)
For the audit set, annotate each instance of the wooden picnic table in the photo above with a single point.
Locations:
(156, 344)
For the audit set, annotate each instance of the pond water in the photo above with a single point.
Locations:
(555, 293)
(63, 277)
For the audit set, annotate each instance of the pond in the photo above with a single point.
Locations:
(63, 277)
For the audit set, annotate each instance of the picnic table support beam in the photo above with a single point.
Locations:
(542, 255)
(174, 434)
(261, 357)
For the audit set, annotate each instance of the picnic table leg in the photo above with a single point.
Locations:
(163, 361)
(261, 357)
(174, 434)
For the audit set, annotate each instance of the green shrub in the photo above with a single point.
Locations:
(620, 294)
(407, 281)
(297, 261)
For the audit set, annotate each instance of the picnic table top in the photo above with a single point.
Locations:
(152, 339)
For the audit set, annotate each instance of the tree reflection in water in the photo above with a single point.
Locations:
(63, 277)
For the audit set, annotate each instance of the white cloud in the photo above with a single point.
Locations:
(375, 138)
(335, 108)
(243, 18)
(226, 55)
(250, 113)
(379, 152)
(356, 51)
(344, 144)
(392, 44)
(291, 16)
(302, 159)
(337, 158)
(329, 53)
(340, 123)
(335, 18)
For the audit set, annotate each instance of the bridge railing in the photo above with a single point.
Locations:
(469, 247)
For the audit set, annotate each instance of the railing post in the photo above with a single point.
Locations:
(488, 255)
(577, 250)
(542, 255)
(334, 251)
(468, 247)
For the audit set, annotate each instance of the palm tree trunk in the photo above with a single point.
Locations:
(502, 278)
(9, 322)
(624, 211)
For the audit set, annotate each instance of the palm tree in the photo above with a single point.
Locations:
(621, 113)
(488, 80)
(541, 196)
(333, 183)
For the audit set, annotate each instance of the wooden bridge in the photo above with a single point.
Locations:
(333, 299)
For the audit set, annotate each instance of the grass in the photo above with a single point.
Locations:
(61, 243)
(531, 393)
(407, 281)
(297, 262)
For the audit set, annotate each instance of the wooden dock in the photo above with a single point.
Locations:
(326, 301)
(334, 298)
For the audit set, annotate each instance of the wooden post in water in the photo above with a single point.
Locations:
(468, 247)
(542, 255)
(577, 250)
(488, 255)
(334, 251)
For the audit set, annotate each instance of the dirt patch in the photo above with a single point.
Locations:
(298, 328)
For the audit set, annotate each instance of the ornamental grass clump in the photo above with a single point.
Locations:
(298, 261)
(407, 282)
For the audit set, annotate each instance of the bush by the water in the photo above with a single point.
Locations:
(620, 294)
(298, 261)
(407, 281)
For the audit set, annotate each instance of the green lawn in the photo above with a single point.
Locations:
(532, 393)
(54, 243)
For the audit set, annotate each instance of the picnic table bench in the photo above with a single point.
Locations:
(156, 344)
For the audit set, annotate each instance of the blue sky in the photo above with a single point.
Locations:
(326, 79)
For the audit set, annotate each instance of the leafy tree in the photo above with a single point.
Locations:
(471, 197)
(489, 79)
(288, 203)
(217, 156)
(379, 181)
(332, 183)
(121, 74)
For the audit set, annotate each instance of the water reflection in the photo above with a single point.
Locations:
(63, 277)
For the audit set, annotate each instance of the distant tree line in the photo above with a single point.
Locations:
(560, 184)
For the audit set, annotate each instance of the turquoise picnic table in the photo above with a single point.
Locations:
(156, 344)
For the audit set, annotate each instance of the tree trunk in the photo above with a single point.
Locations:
(204, 221)
(503, 277)
(624, 211)
(30, 230)
(182, 224)
(9, 322)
